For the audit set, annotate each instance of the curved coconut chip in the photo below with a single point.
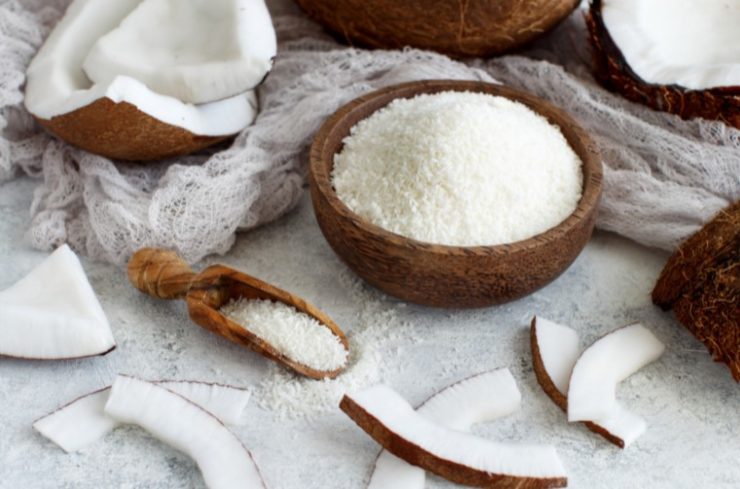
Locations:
(222, 459)
(53, 313)
(479, 398)
(82, 422)
(554, 354)
(598, 371)
(612, 70)
(458, 457)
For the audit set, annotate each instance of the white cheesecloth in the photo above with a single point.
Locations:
(664, 177)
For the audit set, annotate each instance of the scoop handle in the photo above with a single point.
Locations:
(160, 273)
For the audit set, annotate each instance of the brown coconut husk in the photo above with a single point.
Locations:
(701, 282)
(696, 254)
(121, 131)
(612, 71)
(470, 28)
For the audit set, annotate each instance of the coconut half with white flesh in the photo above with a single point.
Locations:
(479, 398)
(196, 51)
(457, 456)
(222, 459)
(678, 56)
(598, 371)
(555, 352)
(53, 313)
(82, 422)
(120, 116)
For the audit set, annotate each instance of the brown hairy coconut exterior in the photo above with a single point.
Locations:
(121, 131)
(454, 27)
(612, 71)
(701, 282)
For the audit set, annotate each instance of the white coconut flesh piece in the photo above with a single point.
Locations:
(602, 366)
(225, 402)
(480, 398)
(555, 351)
(79, 424)
(196, 51)
(694, 44)
(56, 84)
(53, 313)
(222, 459)
(558, 350)
(82, 422)
(455, 455)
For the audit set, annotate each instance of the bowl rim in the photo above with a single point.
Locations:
(320, 166)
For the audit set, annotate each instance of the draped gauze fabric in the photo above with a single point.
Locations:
(663, 179)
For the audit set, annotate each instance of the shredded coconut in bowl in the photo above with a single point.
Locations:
(294, 333)
(459, 169)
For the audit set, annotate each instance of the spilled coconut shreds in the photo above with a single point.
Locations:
(292, 332)
(459, 168)
(374, 330)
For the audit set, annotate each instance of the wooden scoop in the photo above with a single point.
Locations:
(164, 275)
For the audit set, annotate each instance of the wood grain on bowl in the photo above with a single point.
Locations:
(454, 27)
(449, 276)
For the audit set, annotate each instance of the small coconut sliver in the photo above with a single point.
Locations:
(293, 333)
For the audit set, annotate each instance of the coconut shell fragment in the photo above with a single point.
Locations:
(701, 283)
(614, 73)
(122, 131)
(469, 28)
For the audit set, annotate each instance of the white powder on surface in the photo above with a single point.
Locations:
(376, 329)
(297, 335)
(459, 168)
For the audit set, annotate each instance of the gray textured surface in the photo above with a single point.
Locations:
(691, 404)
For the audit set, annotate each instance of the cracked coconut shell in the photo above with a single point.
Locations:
(612, 70)
(119, 130)
(115, 112)
(470, 28)
(701, 283)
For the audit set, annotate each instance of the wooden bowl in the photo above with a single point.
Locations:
(449, 276)
(471, 28)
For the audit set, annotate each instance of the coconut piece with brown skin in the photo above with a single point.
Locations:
(470, 28)
(223, 460)
(699, 88)
(479, 398)
(701, 283)
(457, 456)
(555, 351)
(121, 131)
(121, 117)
